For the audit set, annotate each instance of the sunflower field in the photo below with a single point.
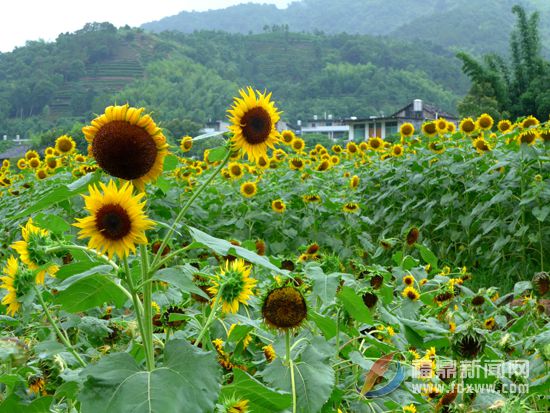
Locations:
(266, 275)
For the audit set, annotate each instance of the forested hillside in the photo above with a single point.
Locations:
(473, 25)
(191, 78)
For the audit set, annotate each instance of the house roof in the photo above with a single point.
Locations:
(427, 107)
(16, 151)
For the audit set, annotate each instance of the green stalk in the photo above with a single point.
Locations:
(210, 317)
(148, 311)
(186, 207)
(291, 367)
(64, 339)
(138, 308)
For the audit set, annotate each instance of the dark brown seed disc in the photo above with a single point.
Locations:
(284, 308)
(257, 125)
(113, 222)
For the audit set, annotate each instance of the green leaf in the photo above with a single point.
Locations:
(54, 223)
(427, 255)
(170, 162)
(217, 154)
(238, 333)
(541, 213)
(326, 324)
(180, 277)
(313, 375)
(224, 247)
(188, 380)
(91, 291)
(75, 268)
(324, 285)
(262, 399)
(355, 306)
(60, 193)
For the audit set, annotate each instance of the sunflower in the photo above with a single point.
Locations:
(269, 353)
(410, 293)
(350, 207)
(311, 198)
(436, 147)
(80, 158)
(410, 408)
(469, 344)
(296, 164)
(298, 145)
(406, 130)
(429, 128)
(284, 308)
(397, 150)
(65, 144)
(545, 135)
(36, 384)
(431, 392)
(529, 121)
(278, 206)
(369, 299)
(451, 127)
(127, 145)
(235, 283)
(186, 143)
(412, 236)
(485, 122)
(262, 162)
(41, 174)
(49, 151)
(31, 154)
(34, 163)
(504, 126)
(478, 300)
(528, 137)
(235, 170)
(354, 182)
(116, 222)
(239, 406)
(481, 145)
(22, 164)
(490, 323)
(253, 117)
(31, 253)
(408, 280)
(249, 189)
(337, 149)
(467, 126)
(376, 143)
(51, 162)
(288, 136)
(323, 166)
(441, 126)
(15, 282)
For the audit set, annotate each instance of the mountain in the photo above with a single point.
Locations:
(474, 25)
(188, 79)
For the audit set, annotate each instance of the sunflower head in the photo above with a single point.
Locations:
(17, 282)
(284, 308)
(436, 147)
(406, 130)
(298, 145)
(412, 236)
(375, 143)
(354, 182)
(397, 150)
(234, 285)
(541, 282)
(408, 280)
(504, 126)
(249, 189)
(490, 323)
(529, 121)
(278, 206)
(31, 154)
(467, 126)
(235, 170)
(528, 137)
(296, 164)
(350, 207)
(287, 136)
(65, 144)
(117, 221)
(441, 126)
(186, 143)
(22, 164)
(468, 345)
(369, 299)
(410, 293)
(481, 145)
(253, 117)
(429, 128)
(127, 144)
(311, 198)
(485, 122)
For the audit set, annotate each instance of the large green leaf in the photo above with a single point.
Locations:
(354, 305)
(324, 285)
(262, 399)
(90, 291)
(181, 277)
(314, 379)
(188, 381)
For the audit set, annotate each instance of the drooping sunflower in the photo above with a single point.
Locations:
(485, 121)
(406, 130)
(284, 308)
(410, 293)
(127, 144)
(235, 170)
(65, 144)
(467, 126)
(350, 207)
(117, 221)
(278, 206)
(236, 284)
(253, 117)
(16, 282)
(311, 198)
(429, 128)
(323, 166)
(249, 189)
(481, 145)
(186, 143)
(30, 251)
(412, 236)
(397, 150)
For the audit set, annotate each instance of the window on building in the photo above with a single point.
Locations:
(391, 128)
(359, 132)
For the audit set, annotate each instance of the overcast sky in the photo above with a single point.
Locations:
(22, 20)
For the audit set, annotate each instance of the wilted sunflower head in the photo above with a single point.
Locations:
(406, 130)
(127, 144)
(234, 285)
(65, 144)
(284, 308)
(369, 299)
(31, 250)
(478, 300)
(350, 207)
(541, 282)
(253, 117)
(311, 198)
(412, 236)
(117, 221)
(469, 344)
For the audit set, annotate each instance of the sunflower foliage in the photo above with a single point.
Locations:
(300, 279)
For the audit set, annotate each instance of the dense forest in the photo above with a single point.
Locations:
(472, 25)
(189, 79)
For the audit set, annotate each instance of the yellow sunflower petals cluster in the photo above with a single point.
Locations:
(127, 144)
(236, 285)
(253, 118)
(117, 221)
(9, 284)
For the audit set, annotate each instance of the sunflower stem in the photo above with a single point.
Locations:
(64, 339)
(291, 367)
(138, 308)
(167, 258)
(81, 248)
(147, 304)
(210, 317)
(186, 207)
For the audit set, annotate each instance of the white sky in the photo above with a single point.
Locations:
(22, 20)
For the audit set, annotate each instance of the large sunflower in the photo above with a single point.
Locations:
(116, 222)
(253, 119)
(236, 285)
(127, 145)
(30, 251)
